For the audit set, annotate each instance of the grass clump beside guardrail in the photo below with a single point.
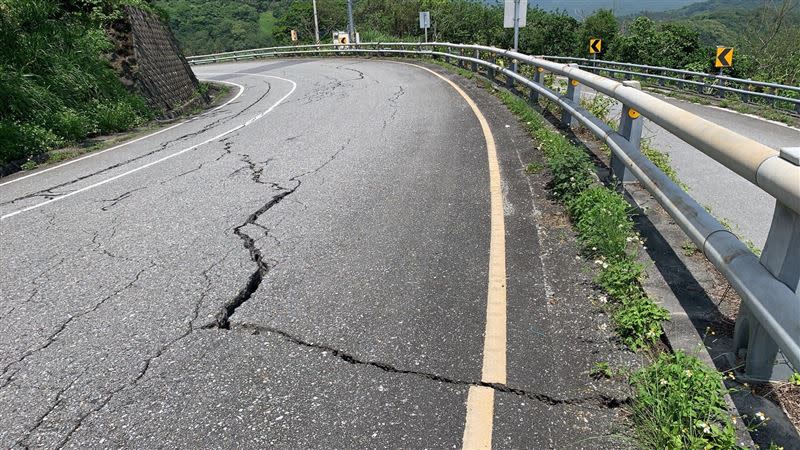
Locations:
(603, 220)
(678, 401)
(678, 404)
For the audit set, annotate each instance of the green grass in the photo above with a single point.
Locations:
(679, 401)
(679, 404)
(56, 87)
(603, 220)
(600, 370)
(534, 168)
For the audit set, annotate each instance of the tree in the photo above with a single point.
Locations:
(601, 25)
(549, 33)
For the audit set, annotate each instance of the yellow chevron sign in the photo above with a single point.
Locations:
(724, 57)
(595, 45)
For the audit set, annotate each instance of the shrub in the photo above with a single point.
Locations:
(570, 167)
(20, 141)
(679, 404)
(72, 125)
(620, 278)
(638, 321)
(55, 84)
(602, 218)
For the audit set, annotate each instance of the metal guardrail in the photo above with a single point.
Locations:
(779, 96)
(769, 318)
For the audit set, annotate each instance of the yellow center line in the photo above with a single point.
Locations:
(480, 399)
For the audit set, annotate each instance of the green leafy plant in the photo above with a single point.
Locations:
(56, 85)
(599, 106)
(534, 168)
(679, 404)
(688, 248)
(795, 379)
(620, 278)
(600, 370)
(602, 217)
(638, 321)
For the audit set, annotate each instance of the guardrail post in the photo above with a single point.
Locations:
(475, 64)
(781, 257)
(630, 127)
(493, 60)
(461, 61)
(512, 66)
(574, 94)
(537, 78)
(721, 92)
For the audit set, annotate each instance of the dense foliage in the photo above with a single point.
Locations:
(766, 34)
(208, 26)
(55, 84)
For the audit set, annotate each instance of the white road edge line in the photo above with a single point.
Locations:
(90, 155)
(108, 180)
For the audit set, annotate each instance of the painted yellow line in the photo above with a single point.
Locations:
(480, 415)
(480, 400)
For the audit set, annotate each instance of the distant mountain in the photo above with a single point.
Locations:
(582, 8)
(705, 8)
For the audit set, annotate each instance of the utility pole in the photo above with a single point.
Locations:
(351, 29)
(516, 32)
(316, 22)
(516, 25)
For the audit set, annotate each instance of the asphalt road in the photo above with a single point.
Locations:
(731, 198)
(306, 266)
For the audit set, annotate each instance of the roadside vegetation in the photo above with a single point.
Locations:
(56, 87)
(678, 401)
(766, 35)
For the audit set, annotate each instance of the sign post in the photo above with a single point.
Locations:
(294, 36)
(425, 22)
(514, 16)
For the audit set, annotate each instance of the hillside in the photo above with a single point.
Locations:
(766, 39)
(207, 26)
(56, 85)
(583, 8)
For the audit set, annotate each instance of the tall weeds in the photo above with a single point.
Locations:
(56, 86)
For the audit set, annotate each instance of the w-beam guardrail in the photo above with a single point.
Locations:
(769, 317)
(779, 96)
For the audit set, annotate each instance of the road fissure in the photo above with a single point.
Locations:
(599, 400)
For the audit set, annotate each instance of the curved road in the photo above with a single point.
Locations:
(309, 265)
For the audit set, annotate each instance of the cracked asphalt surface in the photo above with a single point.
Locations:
(316, 278)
